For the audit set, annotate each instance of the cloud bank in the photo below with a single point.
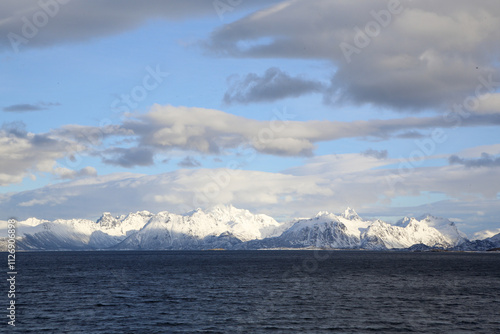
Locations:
(398, 62)
(34, 23)
(327, 182)
(273, 85)
(202, 131)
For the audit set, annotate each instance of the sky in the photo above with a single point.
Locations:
(280, 107)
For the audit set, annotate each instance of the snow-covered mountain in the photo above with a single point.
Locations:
(325, 230)
(221, 227)
(429, 230)
(74, 234)
(348, 230)
(231, 228)
(485, 234)
(480, 245)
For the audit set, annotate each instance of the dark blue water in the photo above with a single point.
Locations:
(257, 292)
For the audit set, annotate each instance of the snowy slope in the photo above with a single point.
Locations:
(485, 234)
(446, 227)
(222, 225)
(325, 230)
(494, 239)
(348, 230)
(232, 228)
(124, 225)
(383, 235)
(480, 245)
(59, 234)
(76, 234)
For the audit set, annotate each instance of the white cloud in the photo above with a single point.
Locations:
(66, 173)
(273, 85)
(339, 164)
(79, 21)
(211, 131)
(474, 152)
(424, 54)
(26, 152)
(323, 183)
(51, 201)
(488, 104)
(190, 129)
(485, 234)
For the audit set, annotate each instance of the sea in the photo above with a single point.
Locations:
(272, 291)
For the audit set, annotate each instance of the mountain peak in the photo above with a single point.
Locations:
(322, 213)
(404, 221)
(224, 208)
(427, 216)
(107, 220)
(350, 213)
(229, 227)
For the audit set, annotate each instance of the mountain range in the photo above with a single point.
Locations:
(230, 228)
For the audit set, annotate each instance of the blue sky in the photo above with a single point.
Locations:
(263, 105)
